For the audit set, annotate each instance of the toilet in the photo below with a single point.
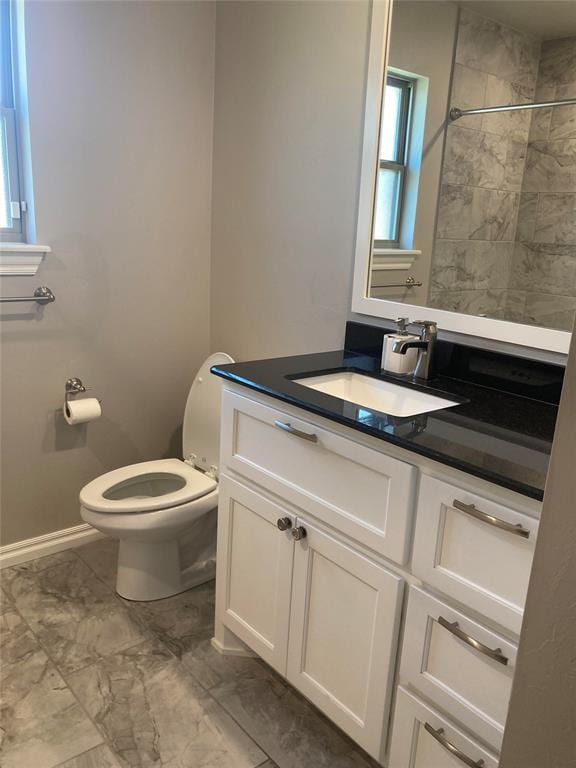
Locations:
(164, 512)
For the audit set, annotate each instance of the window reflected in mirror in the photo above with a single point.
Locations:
(393, 153)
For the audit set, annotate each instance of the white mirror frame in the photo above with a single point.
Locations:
(479, 327)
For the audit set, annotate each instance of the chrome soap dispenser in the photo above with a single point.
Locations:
(394, 362)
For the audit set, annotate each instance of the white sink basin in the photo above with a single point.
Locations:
(375, 394)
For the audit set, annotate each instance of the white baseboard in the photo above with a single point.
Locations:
(47, 544)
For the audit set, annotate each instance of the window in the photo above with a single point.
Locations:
(392, 159)
(10, 199)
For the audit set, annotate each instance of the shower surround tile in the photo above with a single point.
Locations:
(540, 123)
(154, 714)
(41, 722)
(515, 306)
(527, 210)
(556, 220)
(474, 158)
(551, 166)
(478, 159)
(558, 62)
(76, 617)
(563, 119)
(545, 258)
(508, 178)
(491, 47)
(468, 92)
(544, 268)
(489, 303)
(515, 164)
(473, 213)
(550, 311)
(468, 265)
(512, 125)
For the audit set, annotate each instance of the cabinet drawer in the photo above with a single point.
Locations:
(423, 738)
(474, 549)
(451, 660)
(365, 494)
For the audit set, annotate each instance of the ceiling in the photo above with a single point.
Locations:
(547, 19)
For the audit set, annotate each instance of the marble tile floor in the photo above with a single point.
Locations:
(89, 680)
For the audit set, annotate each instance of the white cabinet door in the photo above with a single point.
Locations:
(254, 570)
(474, 549)
(423, 738)
(343, 635)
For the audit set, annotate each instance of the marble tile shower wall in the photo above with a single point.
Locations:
(483, 169)
(544, 265)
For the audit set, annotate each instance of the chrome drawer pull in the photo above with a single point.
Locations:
(312, 438)
(473, 511)
(493, 653)
(441, 739)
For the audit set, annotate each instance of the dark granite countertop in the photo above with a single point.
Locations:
(501, 437)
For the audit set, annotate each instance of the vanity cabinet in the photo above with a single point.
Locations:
(322, 533)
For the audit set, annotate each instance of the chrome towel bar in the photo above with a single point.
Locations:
(42, 295)
(410, 282)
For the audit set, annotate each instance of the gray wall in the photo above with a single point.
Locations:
(541, 727)
(288, 135)
(121, 101)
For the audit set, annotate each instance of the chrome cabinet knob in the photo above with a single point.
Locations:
(284, 523)
(299, 533)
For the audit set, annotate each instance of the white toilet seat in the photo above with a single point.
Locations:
(146, 487)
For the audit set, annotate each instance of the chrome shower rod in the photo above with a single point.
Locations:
(456, 113)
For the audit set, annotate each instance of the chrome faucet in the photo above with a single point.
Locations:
(425, 346)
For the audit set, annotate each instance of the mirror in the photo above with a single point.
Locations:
(475, 213)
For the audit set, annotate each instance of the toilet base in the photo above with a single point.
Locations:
(152, 571)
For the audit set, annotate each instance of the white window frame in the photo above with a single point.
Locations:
(400, 162)
(20, 253)
(9, 119)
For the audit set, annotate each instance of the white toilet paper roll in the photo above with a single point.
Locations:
(79, 411)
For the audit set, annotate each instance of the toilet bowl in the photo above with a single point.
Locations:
(164, 512)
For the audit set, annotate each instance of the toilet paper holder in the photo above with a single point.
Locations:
(75, 386)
